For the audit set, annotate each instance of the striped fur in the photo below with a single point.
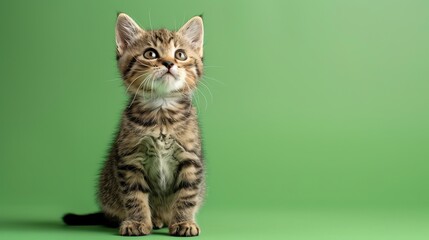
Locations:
(154, 174)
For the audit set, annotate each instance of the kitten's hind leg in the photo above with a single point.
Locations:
(157, 223)
(161, 213)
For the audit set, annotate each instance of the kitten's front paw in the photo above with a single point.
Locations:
(134, 228)
(184, 229)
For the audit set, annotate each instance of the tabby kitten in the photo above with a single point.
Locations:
(154, 174)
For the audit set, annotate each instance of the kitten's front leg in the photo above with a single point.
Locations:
(135, 196)
(188, 195)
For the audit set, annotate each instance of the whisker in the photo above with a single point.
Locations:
(150, 82)
(134, 81)
(206, 77)
(210, 92)
(205, 66)
(113, 79)
(145, 85)
(205, 99)
(189, 90)
(197, 99)
(150, 21)
(151, 86)
(138, 89)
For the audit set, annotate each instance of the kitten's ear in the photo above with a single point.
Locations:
(193, 31)
(127, 30)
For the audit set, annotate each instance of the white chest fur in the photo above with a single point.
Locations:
(159, 162)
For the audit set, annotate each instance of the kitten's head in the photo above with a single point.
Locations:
(159, 62)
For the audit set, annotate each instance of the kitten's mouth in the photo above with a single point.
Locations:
(166, 82)
(168, 75)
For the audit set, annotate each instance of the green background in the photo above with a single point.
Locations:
(314, 115)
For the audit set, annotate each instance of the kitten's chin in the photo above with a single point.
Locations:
(167, 84)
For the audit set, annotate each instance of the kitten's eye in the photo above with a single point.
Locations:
(181, 55)
(150, 54)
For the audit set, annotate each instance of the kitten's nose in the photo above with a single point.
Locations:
(167, 64)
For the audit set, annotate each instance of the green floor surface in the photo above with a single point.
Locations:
(302, 224)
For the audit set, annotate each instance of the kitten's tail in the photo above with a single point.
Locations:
(97, 218)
